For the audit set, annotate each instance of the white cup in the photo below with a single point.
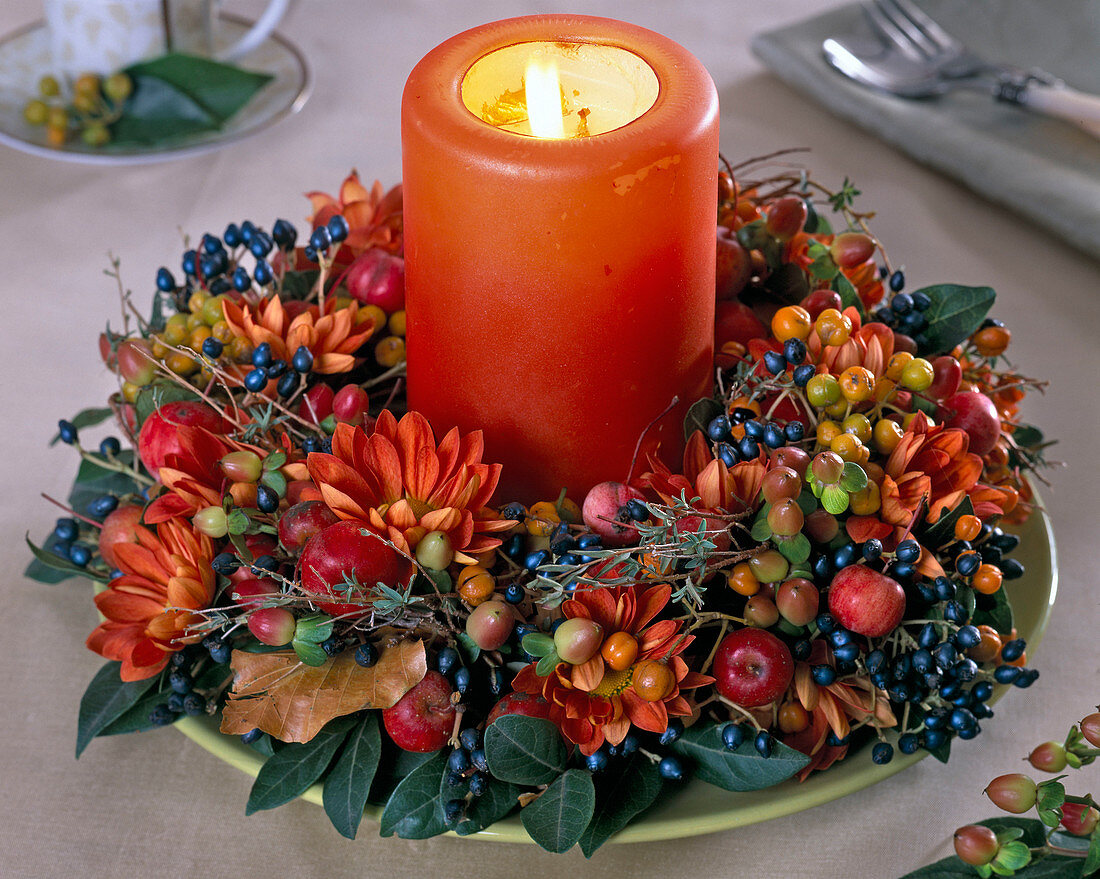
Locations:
(102, 36)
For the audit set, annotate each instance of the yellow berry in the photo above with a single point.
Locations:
(57, 117)
(887, 435)
(542, 519)
(176, 329)
(897, 364)
(827, 431)
(371, 313)
(160, 350)
(397, 323)
(859, 425)
(839, 409)
(833, 328)
(212, 310)
(181, 364)
(847, 446)
(857, 383)
(221, 331)
(118, 87)
(884, 390)
(194, 321)
(86, 84)
(742, 580)
(240, 349)
(390, 351)
(49, 87)
(198, 336)
(917, 375)
(36, 112)
(791, 322)
(866, 501)
(196, 301)
(130, 392)
(823, 389)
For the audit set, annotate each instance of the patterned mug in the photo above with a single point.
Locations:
(102, 36)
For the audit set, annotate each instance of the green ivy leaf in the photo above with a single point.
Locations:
(524, 750)
(547, 664)
(761, 530)
(106, 698)
(794, 549)
(852, 477)
(311, 654)
(557, 819)
(499, 799)
(1049, 817)
(943, 532)
(700, 414)
(740, 770)
(955, 312)
(415, 808)
(347, 785)
(1092, 860)
(537, 644)
(849, 297)
(466, 644)
(624, 791)
(274, 480)
(289, 773)
(1051, 795)
(834, 499)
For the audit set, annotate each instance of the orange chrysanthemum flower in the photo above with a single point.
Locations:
(166, 576)
(593, 703)
(373, 215)
(870, 345)
(403, 487)
(332, 337)
(833, 707)
(718, 487)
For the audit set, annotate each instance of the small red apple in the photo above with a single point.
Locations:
(752, 667)
(733, 266)
(119, 527)
(601, 511)
(344, 551)
(159, 436)
(377, 278)
(490, 624)
(423, 719)
(865, 601)
(298, 524)
(975, 413)
(519, 703)
(736, 322)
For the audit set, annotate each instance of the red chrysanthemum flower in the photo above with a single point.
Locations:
(166, 576)
(403, 487)
(373, 215)
(720, 489)
(593, 703)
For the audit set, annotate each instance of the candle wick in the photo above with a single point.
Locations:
(645, 430)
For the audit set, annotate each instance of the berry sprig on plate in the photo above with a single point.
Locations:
(285, 551)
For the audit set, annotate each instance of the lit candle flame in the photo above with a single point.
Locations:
(543, 96)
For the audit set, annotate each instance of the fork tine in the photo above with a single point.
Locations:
(917, 15)
(885, 27)
(900, 17)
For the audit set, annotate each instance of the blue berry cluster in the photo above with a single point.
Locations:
(183, 698)
(905, 313)
(289, 376)
(768, 434)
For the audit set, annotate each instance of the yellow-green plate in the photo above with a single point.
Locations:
(701, 808)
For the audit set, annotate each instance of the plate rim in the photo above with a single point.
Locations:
(202, 143)
(204, 733)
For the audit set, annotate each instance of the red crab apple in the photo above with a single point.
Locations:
(298, 524)
(377, 278)
(345, 550)
(118, 527)
(752, 667)
(865, 601)
(736, 322)
(423, 719)
(519, 703)
(159, 436)
(490, 624)
(733, 266)
(975, 413)
(1078, 820)
(601, 507)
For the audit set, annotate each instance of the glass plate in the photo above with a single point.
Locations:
(701, 808)
(25, 56)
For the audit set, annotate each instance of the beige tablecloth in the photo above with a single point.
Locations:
(156, 805)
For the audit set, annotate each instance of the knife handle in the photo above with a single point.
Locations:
(1063, 102)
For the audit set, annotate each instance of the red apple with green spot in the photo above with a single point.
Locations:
(752, 667)
(423, 719)
(865, 601)
(302, 521)
(520, 703)
(346, 551)
(973, 412)
(159, 436)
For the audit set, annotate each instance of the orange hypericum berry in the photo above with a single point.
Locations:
(390, 351)
(475, 585)
(542, 519)
(791, 322)
(988, 648)
(987, 579)
(867, 501)
(827, 431)
(884, 390)
(967, 527)
(793, 718)
(652, 680)
(620, 650)
(857, 383)
(847, 446)
(886, 435)
(897, 365)
(991, 341)
(833, 328)
(181, 364)
(742, 580)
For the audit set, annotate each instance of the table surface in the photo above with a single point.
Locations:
(155, 804)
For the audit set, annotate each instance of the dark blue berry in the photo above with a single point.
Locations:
(967, 637)
(515, 593)
(981, 710)
(774, 437)
(803, 374)
(671, 769)
(832, 741)
(961, 718)
(446, 660)
(897, 281)
(945, 589)
(882, 753)
(742, 414)
(212, 348)
(840, 636)
(1013, 650)
(823, 568)
(338, 228)
(875, 661)
(180, 682)
(754, 429)
(458, 761)
(928, 636)
(801, 649)
(638, 511)
(260, 245)
(981, 691)
(775, 362)
(469, 738)
(256, 380)
(967, 563)
(302, 360)
(514, 546)
(478, 784)
(194, 705)
(479, 760)
(67, 431)
(872, 549)
(65, 529)
(903, 571)
(310, 252)
(276, 368)
(263, 273)
(921, 301)
(161, 716)
(225, 563)
(189, 262)
(719, 428)
(945, 655)
(673, 731)
(794, 431)
(901, 304)
(950, 690)
(220, 651)
(287, 384)
(284, 234)
(265, 564)
(102, 506)
(462, 680)
(954, 612)
(536, 559)
(922, 661)
(1006, 674)
(267, 500)
(733, 736)
(219, 286)
(261, 356)
(844, 555)
(908, 551)
(453, 810)
(964, 670)
(629, 745)
(1026, 678)
(933, 738)
(908, 743)
(926, 591)
(794, 350)
(748, 449)
(80, 554)
(901, 667)
(847, 653)
(825, 623)
(726, 453)
(597, 761)
(320, 239)
(763, 743)
(823, 675)
(165, 282)
(175, 703)
(899, 692)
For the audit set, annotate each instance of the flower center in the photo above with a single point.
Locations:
(613, 683)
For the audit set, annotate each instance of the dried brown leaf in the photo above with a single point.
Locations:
(293, 701)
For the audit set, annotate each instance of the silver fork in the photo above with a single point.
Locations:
(915, 57)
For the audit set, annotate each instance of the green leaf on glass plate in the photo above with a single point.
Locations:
(624, 791)
(179, 95)
(499, 799)
(415, 808)
(289, 773)
(740, 770)
(701, 413)
(956, 312)
(86, 418)
(106, 698)
(48, 567)
(347, 785)
(557, 819)
(524, 750)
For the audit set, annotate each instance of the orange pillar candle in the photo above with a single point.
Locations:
(560, 255)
